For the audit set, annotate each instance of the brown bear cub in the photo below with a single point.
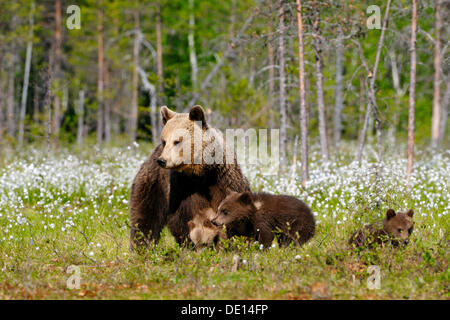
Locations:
(202, 232)
(395, 229)
(261, 215)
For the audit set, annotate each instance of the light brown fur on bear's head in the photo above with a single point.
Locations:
(235, 207)
(187, 140)
(399, 225)
(202, 232)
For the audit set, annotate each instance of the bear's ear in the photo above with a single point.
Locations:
(198, 114)
(246, 198)
(208, 224)
(390, 214)
(166, 114)
(410, 213)
(191, 225)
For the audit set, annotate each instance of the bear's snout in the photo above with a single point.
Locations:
(214, 222)
(161, 162)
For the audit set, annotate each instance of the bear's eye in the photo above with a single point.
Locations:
(176, 142)
(399, 230)
(224, 211)
(163, 144)
(410, 230)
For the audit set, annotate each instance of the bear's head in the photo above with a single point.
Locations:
(187, 140)
(203, 233)
(235, 209)
(399, 225)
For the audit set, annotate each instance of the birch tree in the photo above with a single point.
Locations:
(191, 42)
(100, 74)
(134, 100)
(303, 111)
(319, 84)
(436, 114)
(339, 104)
(412, 93)
(282, 74)
(26, 77)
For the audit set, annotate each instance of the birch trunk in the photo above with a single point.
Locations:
(26, 78)
(371, 101)
(100, 74)
(107, 105)
(436, 114)
(445, 103)
(80, 128)
(10, 105)
(2, 103)
(339, 105)
(319, 85)
(283, 114)
(303, 111)
(134, 100)
(270, 52)
(412, 94)
(57, 69)
(159, 61)
(191, 41)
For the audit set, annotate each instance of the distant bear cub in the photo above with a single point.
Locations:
(395, 229)
(261, 215)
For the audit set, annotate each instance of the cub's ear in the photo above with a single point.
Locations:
(246, 198)
(208, 224)
(410, 213)
(198, 114)
(191, 225)
(390, 214)
(166, 114)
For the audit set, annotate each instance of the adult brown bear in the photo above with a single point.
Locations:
(179, 179)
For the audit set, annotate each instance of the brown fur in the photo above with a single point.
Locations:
(261, 215)
(202, 232)
(395, 229)
(175, 193)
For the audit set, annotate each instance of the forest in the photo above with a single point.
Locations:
(360, 94)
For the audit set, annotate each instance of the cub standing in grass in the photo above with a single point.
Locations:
(262, 215)
(395, 229)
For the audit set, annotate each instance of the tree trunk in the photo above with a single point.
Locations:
(445, 103)
(134, 100)
(283, 114)
(159, 61)
(2, 102)
(398, 95)
(150, 88)
(10, 121)
(191, 41)
(371, 101)
(270, 52)
(80, 112)
(339, 104)
(303, 111)
(57, 69)
(26, 79)
(319, 85)
(436, 114)
(100, 75)
(107, 105)
(412, 94)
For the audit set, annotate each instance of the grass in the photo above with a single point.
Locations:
(71, 208)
